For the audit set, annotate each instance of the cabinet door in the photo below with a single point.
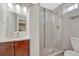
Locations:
(6, 49)
(22, 48)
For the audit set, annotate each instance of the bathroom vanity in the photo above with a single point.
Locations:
(20, 47)
(15, 48)
(14, 35)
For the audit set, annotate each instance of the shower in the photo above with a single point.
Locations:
(51, 27)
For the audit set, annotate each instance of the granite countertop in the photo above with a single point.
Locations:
(13, 39)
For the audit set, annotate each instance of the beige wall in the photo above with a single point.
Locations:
(3, 14)
(34, 30)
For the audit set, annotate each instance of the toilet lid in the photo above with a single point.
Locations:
(71, 53)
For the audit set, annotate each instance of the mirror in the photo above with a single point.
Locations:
(16, 22)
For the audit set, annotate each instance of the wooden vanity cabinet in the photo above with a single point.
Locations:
(17, 48)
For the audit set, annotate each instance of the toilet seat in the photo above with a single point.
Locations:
(71, 53)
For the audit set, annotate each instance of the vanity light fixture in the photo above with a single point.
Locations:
(10, 5)
(18, 7)
(24, 9)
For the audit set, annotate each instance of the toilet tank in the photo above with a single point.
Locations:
(75, 43)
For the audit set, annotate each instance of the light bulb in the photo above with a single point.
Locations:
(10, 5)
(17, 7)
(24, 9)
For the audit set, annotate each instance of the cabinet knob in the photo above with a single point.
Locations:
(15, 44)
(12, 45)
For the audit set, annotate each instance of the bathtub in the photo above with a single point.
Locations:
(58, 53)
(52, 52)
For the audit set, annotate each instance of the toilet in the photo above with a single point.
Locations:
(75, 46)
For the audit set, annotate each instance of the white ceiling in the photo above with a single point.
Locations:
(50, 6)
